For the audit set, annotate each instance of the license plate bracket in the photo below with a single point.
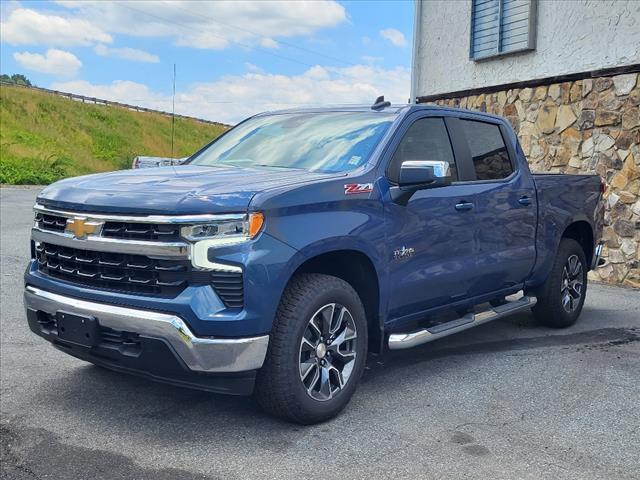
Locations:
(78, 329)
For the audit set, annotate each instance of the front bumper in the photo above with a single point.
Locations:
(205, 355)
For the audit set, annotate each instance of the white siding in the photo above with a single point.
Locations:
(572, 36)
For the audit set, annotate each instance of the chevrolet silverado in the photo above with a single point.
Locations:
(284, 251)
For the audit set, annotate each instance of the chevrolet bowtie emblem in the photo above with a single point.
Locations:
(81, 227)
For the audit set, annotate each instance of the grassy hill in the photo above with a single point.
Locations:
(44, 137)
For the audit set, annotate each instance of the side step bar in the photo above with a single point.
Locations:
(400, 341)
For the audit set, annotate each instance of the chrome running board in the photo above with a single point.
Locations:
(515, 303)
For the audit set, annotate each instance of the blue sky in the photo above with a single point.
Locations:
(233, 58)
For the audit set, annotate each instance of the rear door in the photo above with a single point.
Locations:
(505, 207)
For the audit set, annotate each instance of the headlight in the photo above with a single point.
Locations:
(229, 230)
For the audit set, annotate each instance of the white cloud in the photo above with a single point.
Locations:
(54, 62)
(28, 27)
(396, 37)
(126, 53)
(235, 97)
(252, 67)
(269, 43)
(212, 24)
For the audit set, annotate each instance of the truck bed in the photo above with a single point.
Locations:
(562, 200)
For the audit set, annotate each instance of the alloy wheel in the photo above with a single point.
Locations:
(572, 283)
(328, 351)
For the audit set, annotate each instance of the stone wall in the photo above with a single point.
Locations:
(585, 126)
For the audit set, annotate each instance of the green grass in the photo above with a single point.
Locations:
(44, 137)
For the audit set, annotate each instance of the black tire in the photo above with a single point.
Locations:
(550, 309)
(279, 389)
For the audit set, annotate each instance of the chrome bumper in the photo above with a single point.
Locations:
(199, 354)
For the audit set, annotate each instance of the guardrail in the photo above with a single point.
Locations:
(100, 101)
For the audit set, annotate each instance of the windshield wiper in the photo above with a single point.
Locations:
(276, 166)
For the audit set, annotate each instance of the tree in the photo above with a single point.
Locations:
(16, 78)
(20, 79)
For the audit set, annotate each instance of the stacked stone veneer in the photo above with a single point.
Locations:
(585, 126)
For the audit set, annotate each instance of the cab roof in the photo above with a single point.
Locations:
(396, 109)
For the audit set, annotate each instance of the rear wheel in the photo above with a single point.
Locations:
(317, 350)
(562, 296)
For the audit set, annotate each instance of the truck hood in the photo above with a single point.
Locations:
(170, 190)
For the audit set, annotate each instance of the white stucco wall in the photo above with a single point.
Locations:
(572, 36)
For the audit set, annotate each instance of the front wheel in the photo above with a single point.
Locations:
(561, 297)
(317, 350)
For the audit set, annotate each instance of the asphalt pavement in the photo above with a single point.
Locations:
(507, 400)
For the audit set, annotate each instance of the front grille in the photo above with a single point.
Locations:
(113, 271)
(229, 287)
(135, 274)
(142, 231)
(159, 232)
(52, 223)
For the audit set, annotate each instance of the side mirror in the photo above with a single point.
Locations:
(419, 175)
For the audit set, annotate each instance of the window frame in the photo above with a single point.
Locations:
(401, 135)
(459, 137)
(531, 41)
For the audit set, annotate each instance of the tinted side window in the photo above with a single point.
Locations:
(488, 151)
(426, 139)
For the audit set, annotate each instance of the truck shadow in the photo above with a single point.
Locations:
(144, 408)
(481, 340)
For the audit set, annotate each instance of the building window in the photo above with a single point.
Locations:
(500, 27)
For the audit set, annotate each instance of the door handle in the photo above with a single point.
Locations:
(463, 206)
(524, 200)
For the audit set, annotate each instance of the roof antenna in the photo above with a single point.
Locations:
(380, 103)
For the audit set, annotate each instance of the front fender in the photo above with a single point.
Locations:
(321, 231)
(330, 245)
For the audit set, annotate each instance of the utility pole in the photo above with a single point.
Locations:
(173, 109)
(415, 60)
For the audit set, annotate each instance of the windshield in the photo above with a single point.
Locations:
(323, 142)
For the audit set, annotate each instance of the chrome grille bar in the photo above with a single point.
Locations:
(115, 245)
(170, 219)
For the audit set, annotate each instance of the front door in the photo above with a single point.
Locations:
(430, 241)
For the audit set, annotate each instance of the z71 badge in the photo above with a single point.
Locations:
(351, 188)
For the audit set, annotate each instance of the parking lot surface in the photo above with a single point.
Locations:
(507, 400)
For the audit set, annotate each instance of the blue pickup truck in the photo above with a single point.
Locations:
(284, 251)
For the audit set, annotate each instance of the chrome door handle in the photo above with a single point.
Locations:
(463, 206)
(524, 200)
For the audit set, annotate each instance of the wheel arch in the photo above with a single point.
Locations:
(582, 232)
(357, 269)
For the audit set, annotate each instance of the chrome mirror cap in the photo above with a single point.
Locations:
(441, 169)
